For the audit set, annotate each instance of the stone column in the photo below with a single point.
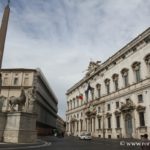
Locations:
(79, 127)
(85, 124)
(92, 122)
(122, 123)
(88, 125)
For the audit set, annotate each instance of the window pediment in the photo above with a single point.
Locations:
(124, 71)
(115, 77)
(107, 81)
(127, 106)
(108, 115)
(117, 113)
(140, 108)
(136, 65)
(98, 86)
(147, 58)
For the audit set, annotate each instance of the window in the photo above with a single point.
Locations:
(118, 121)
(74, 105)
(141, 118)
(116, 85)
(115, 80)
(140, 98)
(124, 73)
(81, 102)
(107, 84)
(125, 81)
(77, 102)
(109, 122)
(108, 90)
(147, 61)
(92, 93)
(98, 87)
(68, 105)
(99, 123)
(137, 74)
(15, 81)
(108, 107)
(71, 104)
(117, 104)
(26, 81)
(99, 109)
(5, 81)
(81, 122)
(26, 74)
(127, 100)
(136, 69)
(86, 123)
(77, 126)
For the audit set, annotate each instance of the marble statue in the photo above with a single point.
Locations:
(13, 101)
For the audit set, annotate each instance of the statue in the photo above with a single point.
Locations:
(13, 101)
(92, 67)
(31, 96)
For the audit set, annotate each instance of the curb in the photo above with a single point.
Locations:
(45, 144)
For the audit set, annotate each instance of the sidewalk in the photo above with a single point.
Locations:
(11, 146)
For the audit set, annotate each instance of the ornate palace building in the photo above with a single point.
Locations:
(113, 99)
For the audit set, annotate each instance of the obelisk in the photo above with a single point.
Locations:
(3, 31)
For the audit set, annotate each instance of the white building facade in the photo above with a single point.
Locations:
(113, 99)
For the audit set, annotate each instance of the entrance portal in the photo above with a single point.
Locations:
(128, 125)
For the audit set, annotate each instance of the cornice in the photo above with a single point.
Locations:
(131, 45)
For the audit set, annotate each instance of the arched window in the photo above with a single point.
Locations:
(124, 73)
(107, 84)
(98, 88)
(74, 103)
(115, 80)
(147, 61)
(68, 105)
(77, 102)
(71, 103)
(136, 69)
(92, 93)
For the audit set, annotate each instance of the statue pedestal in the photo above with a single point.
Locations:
(2, 125)
(20, 128)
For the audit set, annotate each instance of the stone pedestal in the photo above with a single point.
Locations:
(20, 128)
(2, 125)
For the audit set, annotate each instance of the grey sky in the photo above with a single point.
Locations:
(61, 36)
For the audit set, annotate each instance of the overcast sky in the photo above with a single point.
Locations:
(62, 36)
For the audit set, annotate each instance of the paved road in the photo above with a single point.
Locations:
(73, 143)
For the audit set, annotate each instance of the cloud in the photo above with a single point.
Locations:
(62, 36)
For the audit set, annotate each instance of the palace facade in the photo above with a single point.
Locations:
(44, 103)
(113, 99)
